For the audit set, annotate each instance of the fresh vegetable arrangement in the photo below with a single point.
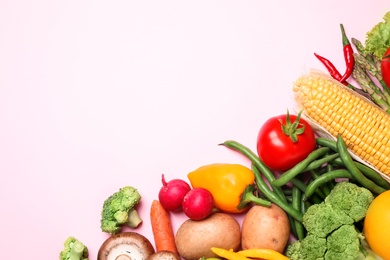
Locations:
(318, 185)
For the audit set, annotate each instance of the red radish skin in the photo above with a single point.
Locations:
(172, 193)
(198, 204)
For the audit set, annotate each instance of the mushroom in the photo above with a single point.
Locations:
(126, 246)
(164, 255)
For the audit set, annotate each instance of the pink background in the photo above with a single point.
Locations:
(96, 95)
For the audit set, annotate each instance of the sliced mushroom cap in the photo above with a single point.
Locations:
(164, 255)
(126, 246)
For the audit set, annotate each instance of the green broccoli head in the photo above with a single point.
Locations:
(351, 199)
(312, 247)
(330, 225)
(118, 210)
(74, 250)
(343, 243)
(321, 219)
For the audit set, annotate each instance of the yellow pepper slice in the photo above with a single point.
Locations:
(228, 254)
(226, 182)
(267, 254)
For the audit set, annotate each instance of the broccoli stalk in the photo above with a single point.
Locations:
(74, 250)
(366, 251)
(118, 210)
(331, 226)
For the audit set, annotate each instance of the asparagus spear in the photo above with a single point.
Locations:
(372, 64)
(361, 76)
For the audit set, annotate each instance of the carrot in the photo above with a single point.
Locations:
(164, 238)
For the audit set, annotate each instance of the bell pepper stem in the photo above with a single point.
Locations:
(249, 197)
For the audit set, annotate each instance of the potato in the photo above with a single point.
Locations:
(163, 255)
(194, 238)
(265, 227)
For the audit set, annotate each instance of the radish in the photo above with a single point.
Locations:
(198, 204)
(172, 193)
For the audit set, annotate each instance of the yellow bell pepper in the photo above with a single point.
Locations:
(226, 182)
(266, 254)
(228, 254)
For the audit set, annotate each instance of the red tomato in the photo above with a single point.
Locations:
(277, 149)
(385, 67)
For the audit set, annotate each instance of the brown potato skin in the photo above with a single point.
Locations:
(195, 238)
(265, 227)
(164, 255)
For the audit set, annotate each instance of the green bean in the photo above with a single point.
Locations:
(289, 198)
(302, 186)
(288, 193)
(324, 142)
(324, 178)
(271, 196)
(299, 184)
(264, 188)
(368, 172)
(329, 167)
(258, 163)
(293, 229)
(324, 188)
(285, 177)
(318, 163)
(296, 204)
(317, 193)
(305, 205)
(353, 169)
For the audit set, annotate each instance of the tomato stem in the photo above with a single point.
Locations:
(293, 129)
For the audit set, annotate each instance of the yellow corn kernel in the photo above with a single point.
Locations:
(364, 127)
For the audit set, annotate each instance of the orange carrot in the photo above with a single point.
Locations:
(164, 238)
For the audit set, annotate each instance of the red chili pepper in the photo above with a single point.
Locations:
(331, 69)
(348, 55)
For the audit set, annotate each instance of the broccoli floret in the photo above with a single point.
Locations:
(321, 219)
(313, 247)
(74, 250)
(118, 210)
(310, 248)
(351, 199)
(293, 251)
(331, 226)
(343, 243)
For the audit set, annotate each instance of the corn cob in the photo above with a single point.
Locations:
(364, 127)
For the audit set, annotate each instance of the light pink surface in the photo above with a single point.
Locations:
(96, 95)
